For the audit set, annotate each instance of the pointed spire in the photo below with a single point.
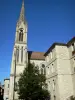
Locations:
(22, 12)
(21, 18)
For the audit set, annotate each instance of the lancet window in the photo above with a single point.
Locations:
(43, 69)
(17, 54)
(22, 54)
(21, 35)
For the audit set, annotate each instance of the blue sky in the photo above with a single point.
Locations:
(49, 21)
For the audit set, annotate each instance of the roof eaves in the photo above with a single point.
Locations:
(70, 42)
(53, 45)
(6, 79)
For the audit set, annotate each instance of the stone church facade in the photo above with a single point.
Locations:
(58, 61)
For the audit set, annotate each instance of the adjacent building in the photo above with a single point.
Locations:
(6, 89)
(58, 63)
(60, 68)
(1, 91)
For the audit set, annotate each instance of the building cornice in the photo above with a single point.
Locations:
(53, 45)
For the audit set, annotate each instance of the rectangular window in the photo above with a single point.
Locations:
(8, 85)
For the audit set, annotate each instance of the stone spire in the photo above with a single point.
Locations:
(21, 18)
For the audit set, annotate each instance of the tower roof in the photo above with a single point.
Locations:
(22, 17)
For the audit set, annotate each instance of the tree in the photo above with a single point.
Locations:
(32, 84)
(72, 98)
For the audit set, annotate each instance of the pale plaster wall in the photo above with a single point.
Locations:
(62, 67)
(64, 73)
(11, 88)
(37, 63)
(73, 79)
(71, 50)
(51, 68)
(73, 72)
(65, 86)
(6, 89)
(62, 52)
(51, 55)
(72, 61)
(53, 88)
(51, 75)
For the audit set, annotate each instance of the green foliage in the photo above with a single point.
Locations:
(32, 84)
(72, 98)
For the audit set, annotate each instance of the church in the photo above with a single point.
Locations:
(58, 62)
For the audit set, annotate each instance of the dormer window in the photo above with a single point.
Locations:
(21, 35)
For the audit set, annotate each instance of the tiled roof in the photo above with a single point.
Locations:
(36, 55)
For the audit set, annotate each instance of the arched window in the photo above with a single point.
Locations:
(17, 54)
(43, 69)
(21, 35)
(22, 54)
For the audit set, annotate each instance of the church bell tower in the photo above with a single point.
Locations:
(21, 38)
(19, 56)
